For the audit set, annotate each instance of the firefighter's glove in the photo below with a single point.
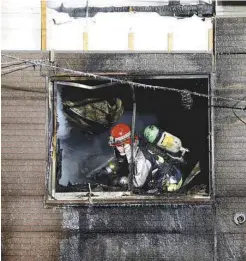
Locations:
(111, 168)
(171, 185)
(123, 181)
(164, 183)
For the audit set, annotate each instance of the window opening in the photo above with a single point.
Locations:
(169, 127)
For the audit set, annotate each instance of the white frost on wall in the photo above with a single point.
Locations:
(21, 29)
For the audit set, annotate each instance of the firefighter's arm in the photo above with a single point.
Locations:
(142, 167)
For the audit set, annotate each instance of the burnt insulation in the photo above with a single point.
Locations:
(166, 10)
(186, 100)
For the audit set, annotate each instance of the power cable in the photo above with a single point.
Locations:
(131, 83)
(15, 69)
(9, 64)
(227, 107)
(233, 110)
(9, 67)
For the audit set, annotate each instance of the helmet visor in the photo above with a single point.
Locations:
(118, 142)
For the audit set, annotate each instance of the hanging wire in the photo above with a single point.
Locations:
(10, 67)
(131, 83)
(9, 64)
(15, 69)
(233, 110)
(228, 107)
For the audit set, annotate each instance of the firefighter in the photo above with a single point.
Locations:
(151, 172)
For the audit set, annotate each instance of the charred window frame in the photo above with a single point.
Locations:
(91, 197)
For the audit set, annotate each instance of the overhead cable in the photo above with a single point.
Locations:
(15, 69)
(131, 83)
(235, 114)
(9, 64)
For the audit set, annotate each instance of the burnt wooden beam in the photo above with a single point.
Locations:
(175, 8)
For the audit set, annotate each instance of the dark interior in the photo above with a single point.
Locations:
(185, 116)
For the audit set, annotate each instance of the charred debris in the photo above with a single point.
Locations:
(174, 8)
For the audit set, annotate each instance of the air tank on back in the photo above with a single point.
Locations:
(164, 140)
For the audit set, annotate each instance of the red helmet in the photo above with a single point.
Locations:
(120, 134)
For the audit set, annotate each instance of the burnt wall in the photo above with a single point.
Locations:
(33, 232)
(230, 35)
(147, 232)
(136, 63)
(230, 142)
(172, 232)
(230, 132)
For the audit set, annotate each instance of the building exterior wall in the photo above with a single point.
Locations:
(31, 231)
(230, 143)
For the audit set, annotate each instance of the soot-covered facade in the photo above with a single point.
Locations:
(36, 227)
